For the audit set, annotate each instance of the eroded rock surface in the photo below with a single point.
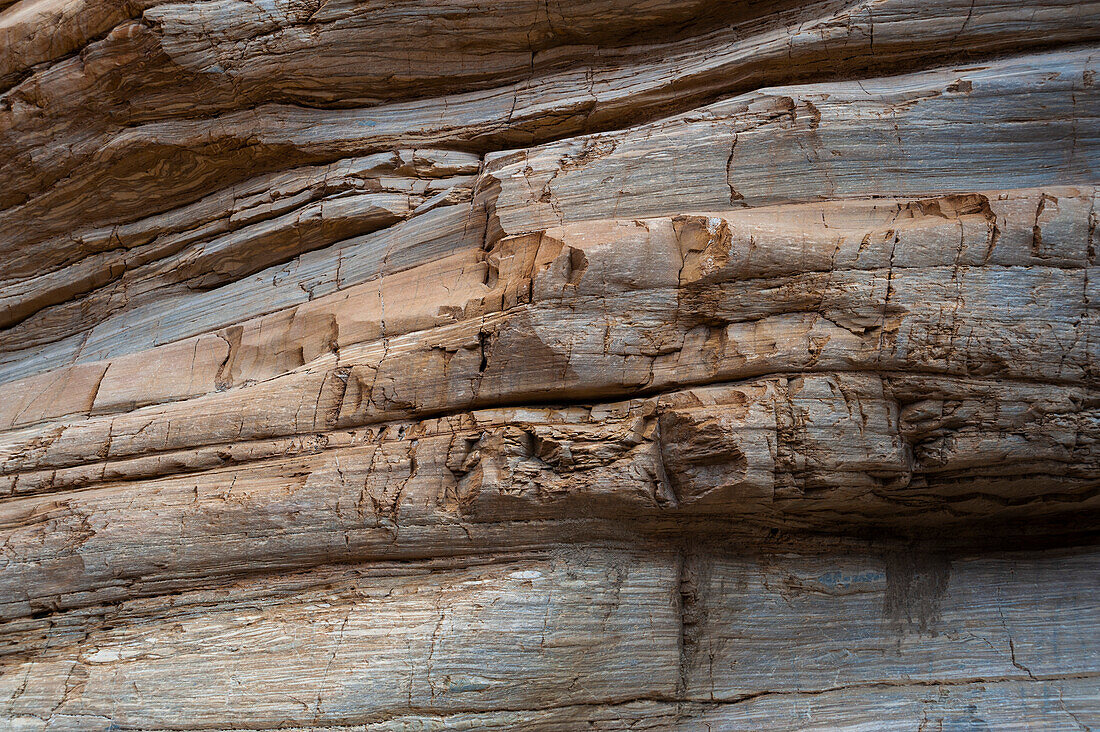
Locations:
(675, 364)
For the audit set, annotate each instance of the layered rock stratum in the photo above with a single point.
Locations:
(446, 364)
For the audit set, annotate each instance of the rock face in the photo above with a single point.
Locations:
(671, 365)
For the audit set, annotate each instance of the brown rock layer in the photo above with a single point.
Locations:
(668, 365)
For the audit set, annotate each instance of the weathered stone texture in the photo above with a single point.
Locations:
(670, 365)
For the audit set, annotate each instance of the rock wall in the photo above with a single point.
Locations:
(671, 365)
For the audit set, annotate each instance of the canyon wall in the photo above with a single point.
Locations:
(669, 365)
